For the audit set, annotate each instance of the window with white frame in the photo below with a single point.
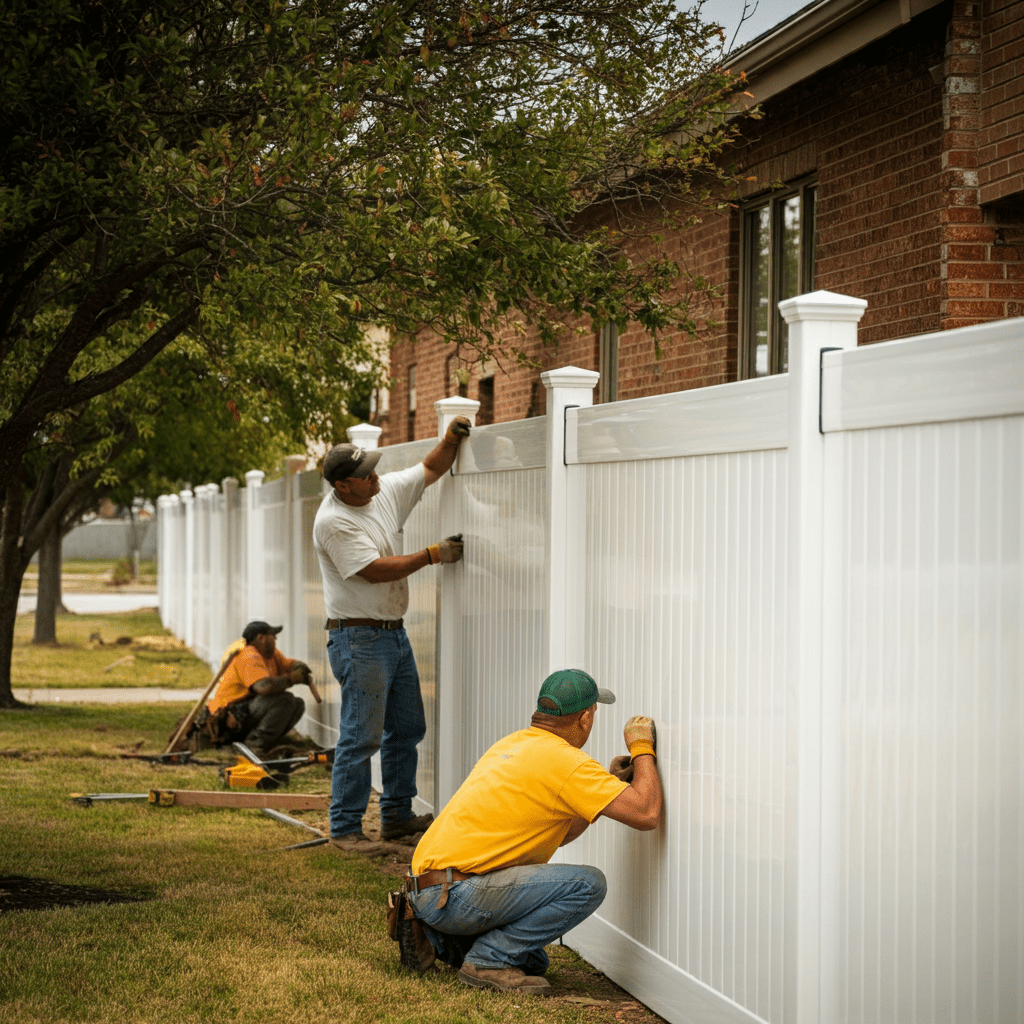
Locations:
(777, 240)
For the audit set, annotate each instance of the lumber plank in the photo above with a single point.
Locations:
(233, 798)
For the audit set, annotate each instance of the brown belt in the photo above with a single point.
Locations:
(374, 623)
(413, 883)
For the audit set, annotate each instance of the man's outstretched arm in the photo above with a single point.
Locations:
(442, 457)
(640, 805)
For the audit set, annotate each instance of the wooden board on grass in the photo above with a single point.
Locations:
(216, 798)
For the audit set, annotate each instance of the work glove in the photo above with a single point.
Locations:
(447, 550)
(639, 735)
(622, 768)
(457, 430)
(300, 672)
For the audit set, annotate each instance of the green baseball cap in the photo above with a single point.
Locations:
(571, 690)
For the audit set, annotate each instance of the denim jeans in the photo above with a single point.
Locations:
(381, 709)
(512, 914)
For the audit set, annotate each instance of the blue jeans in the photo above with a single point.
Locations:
(381, 709)
(511, 914)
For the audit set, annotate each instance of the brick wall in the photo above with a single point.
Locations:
(917, 145)
(1001, 134)
(879, 187)
(983, 163)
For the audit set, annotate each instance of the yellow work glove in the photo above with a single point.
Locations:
(447, 550)
(457, 430)
(639, 736)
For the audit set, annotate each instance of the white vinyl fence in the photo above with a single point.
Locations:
(813, 582)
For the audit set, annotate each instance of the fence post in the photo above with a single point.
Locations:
(818, 321)
(162, 580)
(450, 767)
(295, 563)
(204, 559)
(231, 626)
(188, 500)
(254, 548)
(366, 435)
(567, 387)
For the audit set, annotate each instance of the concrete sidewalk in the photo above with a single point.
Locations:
(105, 695)
(97, 604)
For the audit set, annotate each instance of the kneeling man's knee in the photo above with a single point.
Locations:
(595, 879)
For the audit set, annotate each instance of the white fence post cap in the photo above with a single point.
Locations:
(570, 377)
(822, 306)
(366, 435)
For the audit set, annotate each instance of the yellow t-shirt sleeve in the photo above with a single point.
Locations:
(590, 789)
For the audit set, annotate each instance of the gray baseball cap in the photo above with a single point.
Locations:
(345, 460)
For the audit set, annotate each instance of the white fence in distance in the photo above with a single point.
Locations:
(813, 583)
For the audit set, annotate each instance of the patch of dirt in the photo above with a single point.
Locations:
(20, 893)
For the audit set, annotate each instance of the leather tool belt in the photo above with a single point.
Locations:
(372, 623)
(413, 883)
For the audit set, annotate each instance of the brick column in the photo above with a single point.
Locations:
(965, 267)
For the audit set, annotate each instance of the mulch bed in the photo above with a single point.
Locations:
(19, 893)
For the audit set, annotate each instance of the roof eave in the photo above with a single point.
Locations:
(817, 37)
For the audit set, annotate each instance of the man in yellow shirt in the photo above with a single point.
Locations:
(253, 689)
(480, 881)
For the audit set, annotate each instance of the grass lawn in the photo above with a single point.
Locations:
(223, 926)
(88, 654)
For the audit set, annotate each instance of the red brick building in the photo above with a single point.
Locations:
(897, 130)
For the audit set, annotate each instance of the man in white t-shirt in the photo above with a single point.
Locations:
(358, 539)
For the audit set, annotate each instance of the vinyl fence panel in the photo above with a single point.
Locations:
(813, 582)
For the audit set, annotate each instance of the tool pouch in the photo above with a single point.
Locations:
(230, 723)
(415, 950)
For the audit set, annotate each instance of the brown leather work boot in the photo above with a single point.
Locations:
(507, 979)
(409, 827)
(356, 842)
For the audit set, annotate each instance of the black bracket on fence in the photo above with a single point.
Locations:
(821, 378)
(565, 433)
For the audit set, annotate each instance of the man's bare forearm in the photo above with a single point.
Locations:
(440, 459)
(271, 684)
(647, 784)
(394, 567)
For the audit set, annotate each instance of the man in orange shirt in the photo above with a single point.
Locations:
(254, 690)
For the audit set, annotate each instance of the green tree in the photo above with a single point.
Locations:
(224, 170)
(177, 422)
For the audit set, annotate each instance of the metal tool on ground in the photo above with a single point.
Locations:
(88, 799)
(178, 757)
(288, 764)
(251, 772)
(308, 843)
(183, 729)
(246, 775)
(243, 751)
(288, 820)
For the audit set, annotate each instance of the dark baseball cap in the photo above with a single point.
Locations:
(258, 627)
(345, 460)
(571, 690)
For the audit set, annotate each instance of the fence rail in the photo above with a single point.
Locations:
(813, 583)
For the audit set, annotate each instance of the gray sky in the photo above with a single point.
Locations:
(767, 14)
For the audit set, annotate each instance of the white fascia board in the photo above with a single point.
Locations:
(816, 38)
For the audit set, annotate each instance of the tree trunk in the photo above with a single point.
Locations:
(12, 569)
(48, 596)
